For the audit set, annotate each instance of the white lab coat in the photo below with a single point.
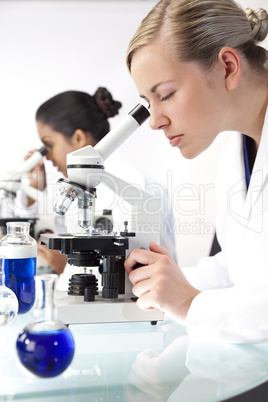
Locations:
(233, 306)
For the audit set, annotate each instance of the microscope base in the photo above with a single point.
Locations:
(74, 310)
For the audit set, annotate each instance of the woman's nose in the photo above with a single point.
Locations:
(157, 120)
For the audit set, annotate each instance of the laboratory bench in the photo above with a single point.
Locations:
(136, 362)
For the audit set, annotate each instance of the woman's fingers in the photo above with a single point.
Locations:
(145, 257)
(140, 256)
(159, 249)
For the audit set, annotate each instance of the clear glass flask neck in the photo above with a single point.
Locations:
(16, 228)
(18, 232)
(45, 309)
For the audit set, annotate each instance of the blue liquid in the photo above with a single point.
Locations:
(46, 354)
(19, 273)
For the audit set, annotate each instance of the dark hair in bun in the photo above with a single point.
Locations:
(72, 110)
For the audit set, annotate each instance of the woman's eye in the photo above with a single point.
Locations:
(48, 145)
(164, 98)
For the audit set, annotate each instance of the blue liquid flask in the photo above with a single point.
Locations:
(46, 346)
(20, 251)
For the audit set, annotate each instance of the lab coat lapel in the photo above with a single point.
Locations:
(232, 182)
(256, 194)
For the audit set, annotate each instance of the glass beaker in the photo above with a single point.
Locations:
(20, 251)
(8, 300)
(46, 346)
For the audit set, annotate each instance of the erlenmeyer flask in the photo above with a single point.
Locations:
(46, 346)
(20, 251)
(8, 301)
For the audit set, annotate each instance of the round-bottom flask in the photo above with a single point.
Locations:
(46, 346)
(8, 300)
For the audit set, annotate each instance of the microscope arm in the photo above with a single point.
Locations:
(144, 205)
(144, 219)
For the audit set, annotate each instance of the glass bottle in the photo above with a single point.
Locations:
(20, 251)
(8, 300)
(46, 346)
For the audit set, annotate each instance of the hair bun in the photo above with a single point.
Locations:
(106, 103)
(258, 20)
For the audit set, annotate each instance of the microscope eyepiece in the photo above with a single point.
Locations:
(43, 151)
(140, 113)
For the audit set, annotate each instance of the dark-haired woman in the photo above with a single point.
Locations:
(66, 122)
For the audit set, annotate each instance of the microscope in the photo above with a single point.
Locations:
(11, 182)
(86, 301)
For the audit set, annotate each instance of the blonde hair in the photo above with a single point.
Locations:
(197, 30)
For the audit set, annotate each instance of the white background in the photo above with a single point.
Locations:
(47, 47)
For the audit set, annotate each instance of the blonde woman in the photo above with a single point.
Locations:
(199, 65)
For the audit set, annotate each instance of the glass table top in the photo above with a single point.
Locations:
(135, 362)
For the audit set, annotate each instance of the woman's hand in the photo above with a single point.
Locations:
(37, 176)
(54, 259)
(160, 283)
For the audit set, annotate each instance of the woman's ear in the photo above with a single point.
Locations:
(230, 60)
(79, 139)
